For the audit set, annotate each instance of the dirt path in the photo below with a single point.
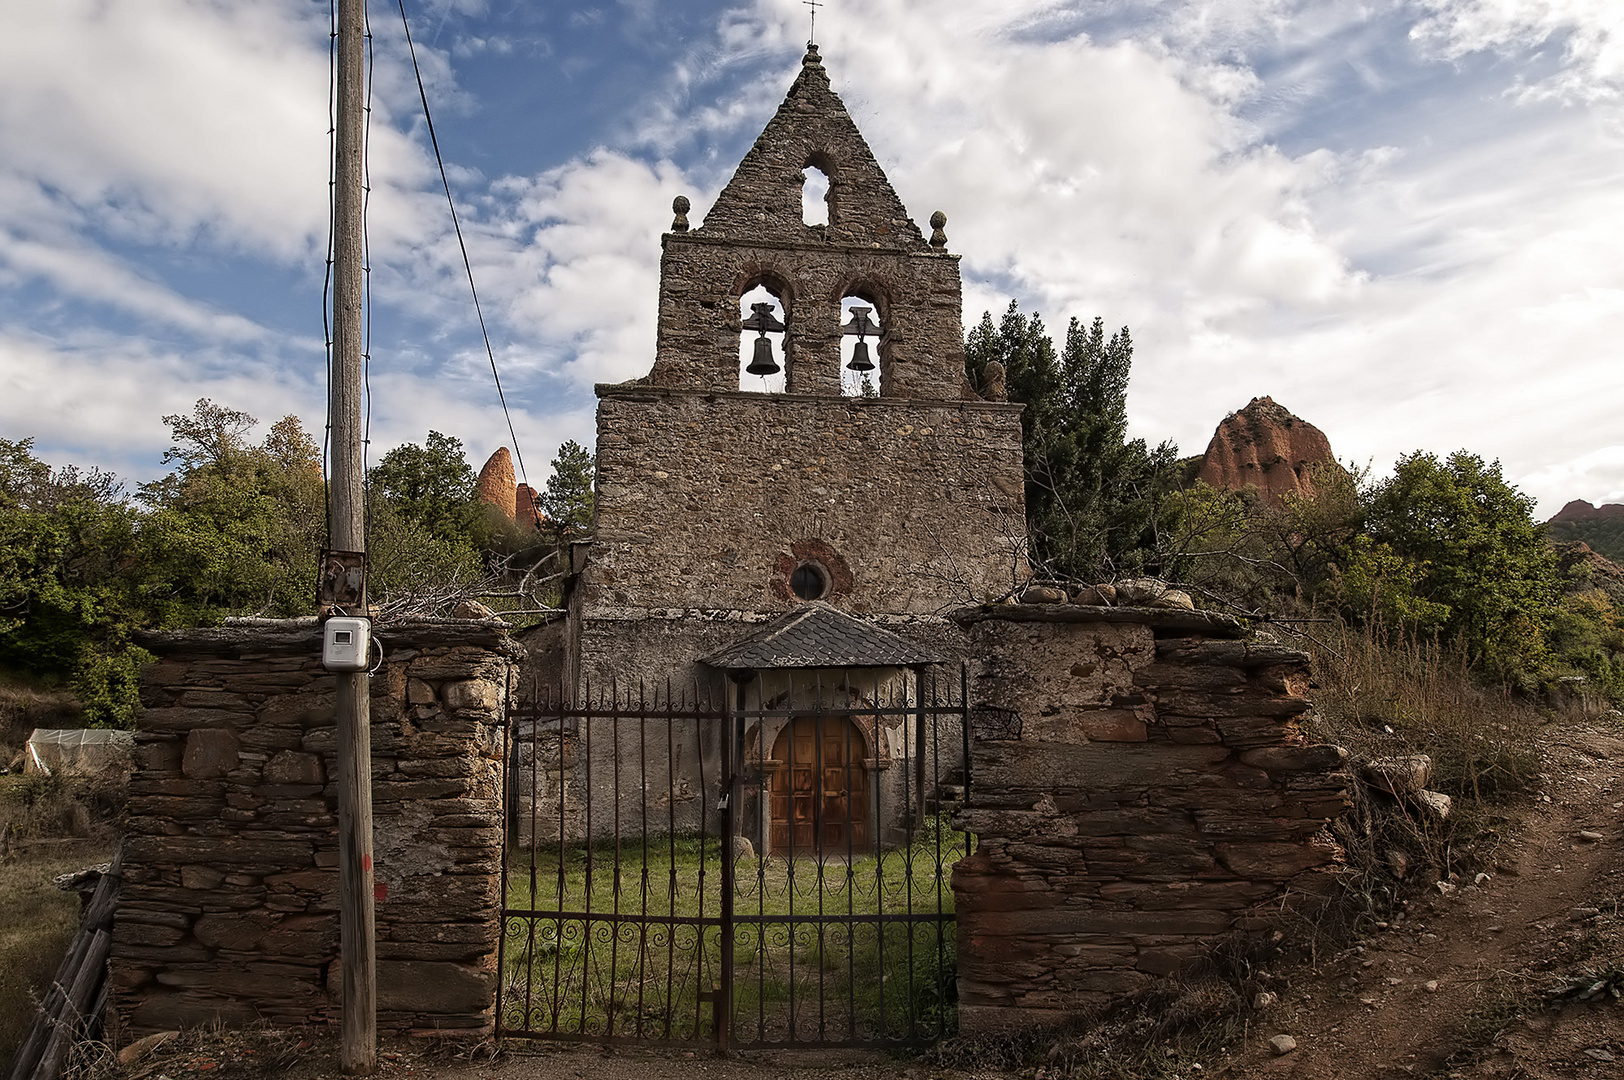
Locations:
(257, 1056)
(1433, 992)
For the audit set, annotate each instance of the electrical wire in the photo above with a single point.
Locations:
(327, 277)
(463, 246)
(366, 287)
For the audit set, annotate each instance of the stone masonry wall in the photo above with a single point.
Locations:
(710, 500)
(915, 296)
(229, 909)
(1159, 796)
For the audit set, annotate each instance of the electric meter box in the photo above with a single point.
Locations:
(345, 643)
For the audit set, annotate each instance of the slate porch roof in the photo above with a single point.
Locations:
(816, 635)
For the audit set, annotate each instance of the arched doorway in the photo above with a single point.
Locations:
(819, 787)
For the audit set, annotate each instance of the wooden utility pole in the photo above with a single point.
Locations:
(358, 1047)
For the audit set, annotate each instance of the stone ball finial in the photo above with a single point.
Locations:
(938, 238)
(679, 206)
(993, 387)
(811, 56)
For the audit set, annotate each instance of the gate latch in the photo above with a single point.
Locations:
(721, 804)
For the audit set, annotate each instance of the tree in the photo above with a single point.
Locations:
(432, 486)
(568, 500)
(1251, 554)
(236, 526)
(1093, 496)
(66, 605)
(1478, 552)
(211, 436)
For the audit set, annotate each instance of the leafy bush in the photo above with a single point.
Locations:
(1477, 553)
(108, 685)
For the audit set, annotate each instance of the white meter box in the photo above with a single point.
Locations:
(345, 643)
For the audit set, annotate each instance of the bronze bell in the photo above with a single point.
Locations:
(762, 363)
(861, 325)
(859, 357)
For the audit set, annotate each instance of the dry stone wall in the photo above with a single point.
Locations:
(1140, 787)
(229, 909)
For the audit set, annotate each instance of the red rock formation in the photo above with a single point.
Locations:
(496, 484)
(524, 505)
(1266, 447)
(1580, 510)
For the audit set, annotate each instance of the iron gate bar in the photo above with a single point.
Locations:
(589, 918)
(850, 804)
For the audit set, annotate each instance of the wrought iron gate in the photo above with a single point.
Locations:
(765, 870)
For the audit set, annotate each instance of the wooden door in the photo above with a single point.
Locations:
(819, 790)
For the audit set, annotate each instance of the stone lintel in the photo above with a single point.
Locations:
(303, 636)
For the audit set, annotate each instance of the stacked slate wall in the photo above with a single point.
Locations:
(1140, 788)
(229, 909)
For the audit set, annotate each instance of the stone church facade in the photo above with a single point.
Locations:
(720, 509)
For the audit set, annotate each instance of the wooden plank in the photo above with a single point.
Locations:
(39, 1032)
(87, 983)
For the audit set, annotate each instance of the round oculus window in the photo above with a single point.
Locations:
(809, 581)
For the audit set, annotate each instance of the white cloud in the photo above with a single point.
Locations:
(168, 117)
(575, 262)
(1590, 33)
(180, 124)
(1599, 473)
(93, 275)
(100, 399)
(1343, 206)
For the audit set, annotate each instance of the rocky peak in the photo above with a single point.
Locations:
(1266, 447)
(524, 505)
(1581, 510)
(497, 485)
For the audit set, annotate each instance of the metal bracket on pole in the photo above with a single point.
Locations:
(343, 582)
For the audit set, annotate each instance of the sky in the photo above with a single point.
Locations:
(1401, 219)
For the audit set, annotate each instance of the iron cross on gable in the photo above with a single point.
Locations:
(814, 5)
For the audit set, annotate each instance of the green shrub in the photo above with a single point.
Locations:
(108, 684)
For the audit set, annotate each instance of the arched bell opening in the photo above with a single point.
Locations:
(814, 196)
(762, 359)
(819, 202)
(862, 330)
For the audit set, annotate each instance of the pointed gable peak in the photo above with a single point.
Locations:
(812, 129)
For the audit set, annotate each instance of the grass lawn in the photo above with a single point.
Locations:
(858, 951)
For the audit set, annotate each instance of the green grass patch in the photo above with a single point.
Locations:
(842, 950)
